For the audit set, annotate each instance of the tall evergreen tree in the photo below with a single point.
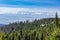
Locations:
(37, 38)
(42, 38)
(13, 36)
(26, 37)
(18, 37)
(56, 20)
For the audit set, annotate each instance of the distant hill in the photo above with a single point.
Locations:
(1, 25)
(15, 26)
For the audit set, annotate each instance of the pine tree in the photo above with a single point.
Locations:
(42, 38)
(56, 20)
(26, 37)
(37, 38)
(13, 36)
(18, 37)
(34, 35)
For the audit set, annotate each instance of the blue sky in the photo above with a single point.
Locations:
(31, 3)
(20, 10)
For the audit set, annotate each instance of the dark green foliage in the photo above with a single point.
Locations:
(18, 37)
(56, 20)
(21, 32)
(42, 37)
(26, 37)
(13, 37)
(58, 37)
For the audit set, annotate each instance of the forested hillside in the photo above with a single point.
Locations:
(41, 29)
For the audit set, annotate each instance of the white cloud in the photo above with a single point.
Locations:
(8, 10)
(16, 10)
(11, 10)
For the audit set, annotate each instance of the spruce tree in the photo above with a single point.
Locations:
(13, 36)
(42, 38)
(56, 20)
(18, 37)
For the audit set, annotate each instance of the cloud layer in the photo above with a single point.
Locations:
(13, 14)
(9, 10)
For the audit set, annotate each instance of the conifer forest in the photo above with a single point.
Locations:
(39, 29)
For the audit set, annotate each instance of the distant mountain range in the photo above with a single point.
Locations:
(15, 25)
(1, 25)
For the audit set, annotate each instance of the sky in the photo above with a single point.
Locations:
(21, 10)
